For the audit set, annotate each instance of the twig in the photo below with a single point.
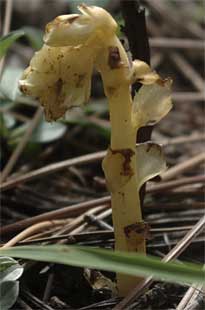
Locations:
(183, 166)
(174, 253)
(8, 14)
(190, 297)
(64, 212)
(18, 150)
(174, 20)
(188, 71)
(85, 159)
(196, 137)
(104, 234)
(82, 227)
(156, 60)
(6, 28)
(175, 183)
(35, 302)
(188, 96)
(176, 43)
(172, 206)
(48, 287)
(78, 221)
(32, 229)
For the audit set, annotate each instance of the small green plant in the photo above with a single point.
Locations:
(10, 272)
(59, 75)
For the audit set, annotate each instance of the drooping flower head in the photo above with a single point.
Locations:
(59, 75)
(74, 29)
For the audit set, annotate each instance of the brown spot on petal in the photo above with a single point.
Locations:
(141, 228)
(60, 56)
(110, 90)
(127, 154)
(114, 60)
(164, 82)
(58, 86)
(24, 89)
(72, 19)
(80, 80)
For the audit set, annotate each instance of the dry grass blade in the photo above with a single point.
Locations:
(89, 158)
(183, 166)
(64, 212)
(184, 139)
(188, 71)
(20, 147)
(190, 297)
(175, 183)
(188, 96)
(85, 159)
(6, 28)
(81, 207)
(174, 253)
(31, 230)
(164, 42)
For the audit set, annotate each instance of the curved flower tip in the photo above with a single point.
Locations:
(141, 72)
(76, 29)
(57, 78)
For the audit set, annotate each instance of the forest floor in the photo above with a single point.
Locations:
(58, 168)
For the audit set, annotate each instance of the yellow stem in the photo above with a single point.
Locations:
(126, 211)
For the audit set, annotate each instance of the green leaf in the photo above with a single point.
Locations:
(48, 132)
(8, 40)
(9, 292)
(122, 262)
(9, 121)
(9, 82)
(44, 133)
(10, 270)
(35, 37)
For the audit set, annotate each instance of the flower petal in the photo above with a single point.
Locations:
(152, 162)
(142, 73)
(65, 81)
(74, 29)
(151, 103)
(67, 30)
(46, 60)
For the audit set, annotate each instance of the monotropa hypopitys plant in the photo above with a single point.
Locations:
(59, 75)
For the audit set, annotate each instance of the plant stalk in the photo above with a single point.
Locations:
(120, 164)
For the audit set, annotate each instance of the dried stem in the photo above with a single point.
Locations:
(184, 166)
(64, 212)
(20, 147)
(31, 230)
(6, 28)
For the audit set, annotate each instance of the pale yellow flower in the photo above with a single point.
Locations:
(58, 79)
(59, 75)
(76, 29)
